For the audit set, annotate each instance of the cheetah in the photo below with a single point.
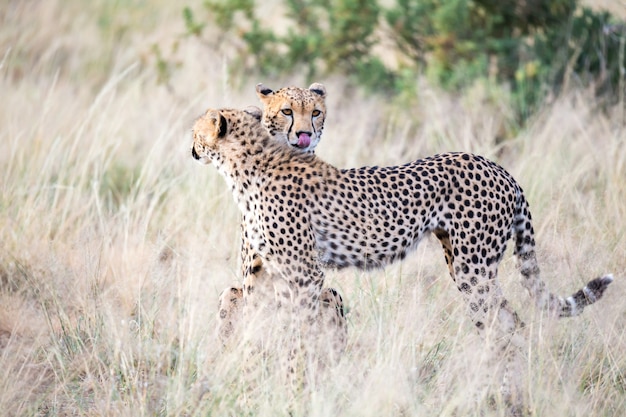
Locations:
(304, 215)
(295, 117)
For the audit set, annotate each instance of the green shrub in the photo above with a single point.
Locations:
(322, 37)
(531, 46)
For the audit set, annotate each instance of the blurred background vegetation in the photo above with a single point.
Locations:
(114, 244)
(532, 49)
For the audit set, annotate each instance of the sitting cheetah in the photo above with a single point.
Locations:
(304, 215)
(295, 117)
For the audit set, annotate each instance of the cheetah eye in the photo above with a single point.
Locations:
(287, 112)
(316, 113)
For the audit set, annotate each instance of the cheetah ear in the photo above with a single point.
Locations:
(318, 89)
(263, 92)
(214, 125)
(254, 111)
(222, 126)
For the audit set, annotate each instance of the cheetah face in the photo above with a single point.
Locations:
(294, 115)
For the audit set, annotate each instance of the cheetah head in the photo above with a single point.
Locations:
(207, 131)
(226, 134)
(295, 115)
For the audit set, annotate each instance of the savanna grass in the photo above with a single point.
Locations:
(114, 245)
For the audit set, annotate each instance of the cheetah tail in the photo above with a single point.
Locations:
(590, 293)
(529, 268)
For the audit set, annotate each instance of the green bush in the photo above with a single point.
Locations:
(322, 37)
(531, 46)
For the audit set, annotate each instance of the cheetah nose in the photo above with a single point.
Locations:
(304, 139)
(194, 153)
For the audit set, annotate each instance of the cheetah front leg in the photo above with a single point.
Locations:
(332, 327)
(229, 313)
(257, 290)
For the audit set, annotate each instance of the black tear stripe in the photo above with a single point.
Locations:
(290, 128)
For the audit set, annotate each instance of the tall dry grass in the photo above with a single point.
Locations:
(114, 245)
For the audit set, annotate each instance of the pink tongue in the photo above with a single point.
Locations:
(304, 140)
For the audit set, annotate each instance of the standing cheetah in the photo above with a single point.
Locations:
(304, 215)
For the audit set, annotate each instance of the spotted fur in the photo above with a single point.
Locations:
(304, 215)
(294, 117)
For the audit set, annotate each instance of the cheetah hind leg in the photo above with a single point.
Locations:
(502, 331)
(497, 324)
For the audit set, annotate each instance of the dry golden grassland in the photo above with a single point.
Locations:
(114, 244)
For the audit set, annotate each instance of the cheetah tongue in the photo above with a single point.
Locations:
(304, 140)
